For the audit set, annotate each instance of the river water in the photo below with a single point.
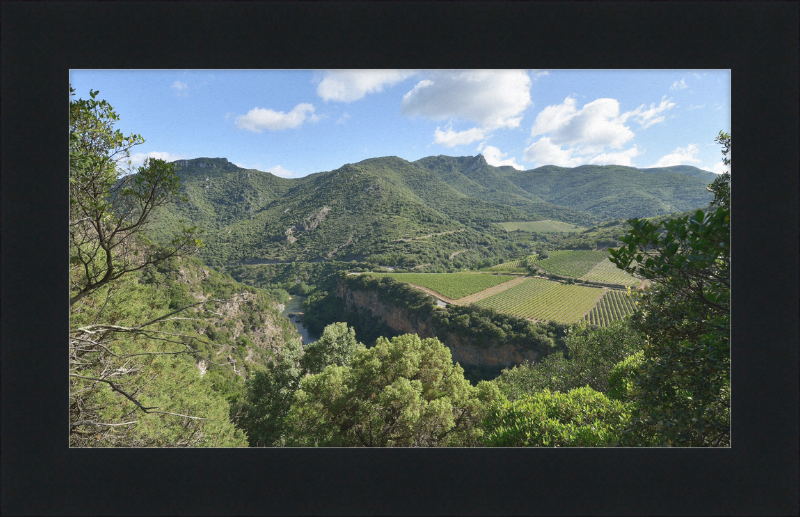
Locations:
(295, 305)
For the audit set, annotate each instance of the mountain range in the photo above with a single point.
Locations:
(388, 204)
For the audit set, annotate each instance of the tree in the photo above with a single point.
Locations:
(123, 356)
(579, 418)
(681, 387)
(269, 396)
(401, 393)
(108, 211)
(337, 345)
(270, 392)
(592, 353)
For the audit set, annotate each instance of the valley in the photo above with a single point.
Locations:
(438, 302)
(456, 228)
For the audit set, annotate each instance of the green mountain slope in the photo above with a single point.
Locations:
(389, 207)
(613, 191)
(472, 176)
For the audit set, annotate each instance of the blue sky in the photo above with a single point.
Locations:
(297, 122)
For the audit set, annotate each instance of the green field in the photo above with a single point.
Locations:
(451, 285)
(512, 266)
(542, 300)
(541, 226)
(574, 263)
(614, 306)
(608, 273)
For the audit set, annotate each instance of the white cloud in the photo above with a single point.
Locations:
(718, 168)
(545, 152)
(137, 160)
(596, 126)
(491, 98)
(352, 85)
(540, 74)
(228, 115)
(181, 88)
(258, 119)
(693, 107)
(343, 118)
(283, 173)
(680, 156)
(648, 118)
(621, 158)
(494, 157)
(450, 138)
(679, 85)
(589, 131)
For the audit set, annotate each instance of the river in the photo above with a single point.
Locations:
(295, 306)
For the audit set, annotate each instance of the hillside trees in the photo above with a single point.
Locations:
(581, 417)
(401, 393)
(127, 384)
(108, 212)
(270, 393)
(681, 387)
(592, 353)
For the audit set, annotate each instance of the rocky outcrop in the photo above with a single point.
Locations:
(306, 225)
(396, 318)
(464, 350)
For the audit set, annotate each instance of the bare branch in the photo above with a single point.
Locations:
(176, 414)
(91, 422)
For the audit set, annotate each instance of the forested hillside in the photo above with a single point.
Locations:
(614, 191)
(386, 206)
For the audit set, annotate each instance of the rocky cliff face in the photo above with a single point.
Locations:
(394, 317)
(464, 350)
(240, 315)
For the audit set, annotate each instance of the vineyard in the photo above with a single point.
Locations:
(614, 306)
(572, 263)
(512, 266)
(540, 226)
(451, 285)
(608, 273)
(544, 300)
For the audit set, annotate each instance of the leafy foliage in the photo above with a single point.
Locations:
(579, 418)
(146, 322)
(269, 395)
(108, 212)
(487, 327)
(404, 392)
(591, 355)
(682, 386)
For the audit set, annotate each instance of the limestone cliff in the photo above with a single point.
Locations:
(464, 350)
(246, 329)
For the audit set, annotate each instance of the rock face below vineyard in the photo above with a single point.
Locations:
(464, 350)
(396, 318)
(467, 353)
